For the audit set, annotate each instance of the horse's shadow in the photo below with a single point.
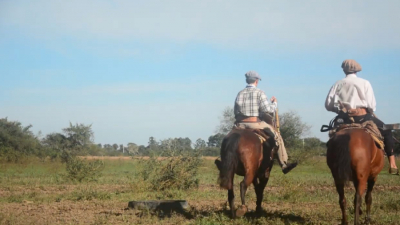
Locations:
(193, 214)
(286, 217)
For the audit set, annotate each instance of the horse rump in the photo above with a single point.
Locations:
(229, 160)
(338, 157)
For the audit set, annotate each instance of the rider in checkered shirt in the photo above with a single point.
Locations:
(250, 104)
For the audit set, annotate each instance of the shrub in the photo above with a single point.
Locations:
(8, 154)
(83, 170)
(17, 141)
(173, 169)
(305, 155)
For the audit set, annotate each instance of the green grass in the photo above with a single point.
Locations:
(37, 193)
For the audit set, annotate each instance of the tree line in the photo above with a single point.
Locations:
(18, 141)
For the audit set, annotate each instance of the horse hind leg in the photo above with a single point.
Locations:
(360, 186)
(259, 189)
(368, 199)
(243, 188)
(231, 200)
(342, 200)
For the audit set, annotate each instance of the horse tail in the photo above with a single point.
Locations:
(342, 165)
(229, 161)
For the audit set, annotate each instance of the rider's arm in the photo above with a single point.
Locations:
(370, 97)
(265, 106)
(330, 100)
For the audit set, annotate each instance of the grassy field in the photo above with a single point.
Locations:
(38, 193)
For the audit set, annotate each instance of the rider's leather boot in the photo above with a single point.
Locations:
(286, 169)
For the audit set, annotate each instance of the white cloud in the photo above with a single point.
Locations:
(362, 24)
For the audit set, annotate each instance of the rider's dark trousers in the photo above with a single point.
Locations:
(386, 134)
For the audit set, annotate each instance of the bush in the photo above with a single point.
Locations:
(83, 170)
(8, 154)
(17, 141)
(172, 169)
(305, 155)
(210, 151)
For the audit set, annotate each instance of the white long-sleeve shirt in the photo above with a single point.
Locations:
(353, 92)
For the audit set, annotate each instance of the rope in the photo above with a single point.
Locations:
(262, 139)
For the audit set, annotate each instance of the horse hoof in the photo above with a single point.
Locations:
(259, 209)
(241, 211)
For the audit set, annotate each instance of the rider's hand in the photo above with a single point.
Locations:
(273, 99)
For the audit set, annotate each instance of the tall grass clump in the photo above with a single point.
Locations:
(172, 169)
(83, 170)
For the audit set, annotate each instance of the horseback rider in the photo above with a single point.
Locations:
(251, 103)
(355, 95)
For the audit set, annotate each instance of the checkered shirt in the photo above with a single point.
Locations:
(251, 101)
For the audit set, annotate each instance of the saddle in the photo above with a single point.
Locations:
(260, 133)
(344, 122)
(369, 126)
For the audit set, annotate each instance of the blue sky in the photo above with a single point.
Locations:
(136, 69)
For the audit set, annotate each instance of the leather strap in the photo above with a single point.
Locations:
(250, 119)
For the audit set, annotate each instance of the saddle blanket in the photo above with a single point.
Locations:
(369, 126)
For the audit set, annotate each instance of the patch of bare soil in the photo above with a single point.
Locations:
(63, 189)
(65, 212)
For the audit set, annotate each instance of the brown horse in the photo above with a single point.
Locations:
(242, 153)
(353, 156)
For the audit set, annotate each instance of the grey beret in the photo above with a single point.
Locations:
(252, 75)
(351, 66)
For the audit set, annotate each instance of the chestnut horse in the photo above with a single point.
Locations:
(242, 153)
(353, 156)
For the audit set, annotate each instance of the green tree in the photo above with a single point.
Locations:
(153, 144)
(292, 128)
(115, 147)
(184, 143)
(200, 144)
(57, 143)
(79, 135)
(79, 138)
(17, 141)
(143, 151)
(215, 140)
(313, 143)
(133, 149)
(227, 120)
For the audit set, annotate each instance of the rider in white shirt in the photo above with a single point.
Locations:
(354, 93)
